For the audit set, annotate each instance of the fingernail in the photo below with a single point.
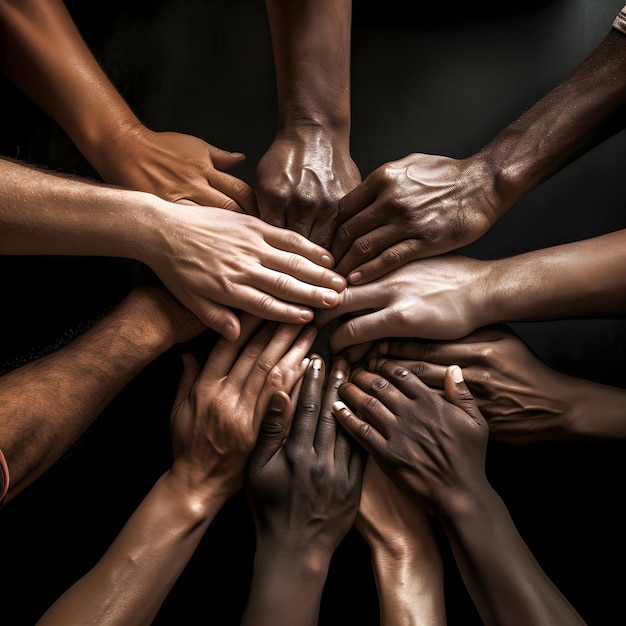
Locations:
(355, 277)
(305, 362)
(339, 373)
(316, 364)
(327, 260)
(330, 298)
(306, 315)
(383, 348)
(339, 284)
(339, 406)
(457, 374)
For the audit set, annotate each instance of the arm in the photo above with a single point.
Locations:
(449, 296)
(303, 485)
(523, 399)
(84, 376)
(308, 167)
(405, 555)
(43, 53)
(434, 449)
(424, 205)
(210, 258)
(215, 422)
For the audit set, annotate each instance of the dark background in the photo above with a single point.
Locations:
(424, 80)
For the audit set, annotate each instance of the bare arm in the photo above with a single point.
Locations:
(43, 53)
(82, 378)
(424, 205)
(308, 167)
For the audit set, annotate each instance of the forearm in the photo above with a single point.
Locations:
(505, 581)
(43, 53)
(43, 213)
(83, 377)
(584, 278)
(131, 581)
(580, 112)
(410, 587)
(286, 588)
(311, 44)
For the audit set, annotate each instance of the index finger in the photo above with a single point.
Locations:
(327, 426)
(309, 403)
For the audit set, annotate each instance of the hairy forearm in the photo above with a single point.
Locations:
(580, 112)
(504, 579)
(44, 213)
(83, 377)
(130, 582)
(286, 588)
(584, 278)
(43, 53)
(311, 44)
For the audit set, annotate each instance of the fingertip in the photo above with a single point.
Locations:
(327, 260)
(355, 278)
(456, 373)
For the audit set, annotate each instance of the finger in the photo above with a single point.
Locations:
(224, 159)
(361, 431)
(460, 352)
(309, 404)
(252, 382)
(234, 188)
(352, 299)
(430, 374)
(351, 204)
(368, 246)
(291, 241)
(217, 317)
(225, 353)
(324, 441)
(274, 429)
(457, 393)
(389, 259)
(206, 195)
(367, 406)
(187, 379)
(279, 280)
(364, 328)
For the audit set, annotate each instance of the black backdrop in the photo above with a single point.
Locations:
(441, 81)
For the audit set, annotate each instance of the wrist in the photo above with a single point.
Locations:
(596, 411)
(314, 128)
(284, 554)
(199, 495)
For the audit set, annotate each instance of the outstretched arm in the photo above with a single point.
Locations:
(43, 53)
(83, 377)
(214, 423)
(304, 482)
(449, 296)
(405, 555)
(434, 449)
(308, 167)
(211, 259)
(424, 205)
(523, 399)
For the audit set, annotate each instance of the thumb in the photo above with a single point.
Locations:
(457, 393)
(224, 160)
(187, 379)
(273, 429)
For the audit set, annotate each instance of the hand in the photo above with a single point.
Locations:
(211, 259)
(177, 168)
(304, 479)
(419, 206)
(432, 447)
(523, 399)
(438, 298)
(218, 411)
(299, 181)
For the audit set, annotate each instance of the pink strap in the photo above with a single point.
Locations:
(4, 468)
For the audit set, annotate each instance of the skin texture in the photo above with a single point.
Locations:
(303, 482)
(84, 376)
(406, 560)
(425, 205)
(433, 448)
(214, 425)
(523, 400)
(308, 167)
(43, 53)
(449, 296)
(211, 259)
